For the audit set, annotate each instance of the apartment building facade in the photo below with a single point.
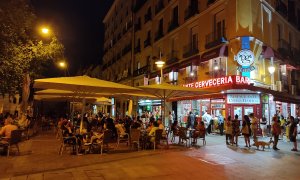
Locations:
(205, 43)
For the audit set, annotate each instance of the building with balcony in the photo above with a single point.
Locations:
(205, 42)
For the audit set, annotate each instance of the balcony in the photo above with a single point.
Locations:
(141, 71)
(172, 57)
(137, 27)
(210, 2)
(215, 38)
(148, 17)
(159, 6)
(284, 48)
(137, 49)
(126, 49)
(147, 42)
(138, 5)
(158, 35)
(173, 25)
(190, 49)
(190, 12)
(118, 56)
(281, 8)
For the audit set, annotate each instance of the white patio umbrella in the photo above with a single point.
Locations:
(166, 91)
(83, 86)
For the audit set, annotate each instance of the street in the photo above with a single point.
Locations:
(39, 160)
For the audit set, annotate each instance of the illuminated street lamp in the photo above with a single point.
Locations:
(63, 65)
(160, 65)
(271, 70)
(44, 31)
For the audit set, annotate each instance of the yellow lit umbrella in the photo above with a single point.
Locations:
(83, 85)
(166, 91)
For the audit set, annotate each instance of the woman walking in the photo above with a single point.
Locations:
(293, 133)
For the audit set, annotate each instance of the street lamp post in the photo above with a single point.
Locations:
(160, 65)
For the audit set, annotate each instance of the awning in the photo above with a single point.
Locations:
(278, 96)
(268, 52)
(221, 51)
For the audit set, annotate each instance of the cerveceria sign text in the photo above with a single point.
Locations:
(219, 81)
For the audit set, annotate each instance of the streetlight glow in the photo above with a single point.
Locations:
(160, 65)
(271, 69)
(45, 30)
(62, 64)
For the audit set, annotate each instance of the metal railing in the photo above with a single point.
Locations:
(190, 11)
(190, 49)
(172, 57)
(143, 70)
(215, 38)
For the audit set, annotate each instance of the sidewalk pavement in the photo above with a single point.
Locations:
(39, 159)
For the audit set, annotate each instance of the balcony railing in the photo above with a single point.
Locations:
(147, 42)
(126, 49)
(190, 49)
(209, 2)
(158, 35)
(215, 38)
(173, 25)
(137, 49)
(172, 57)
(137, 27)
(284, 48)
(148, 17)
(159, 6)
(190, 12)
(141, 71)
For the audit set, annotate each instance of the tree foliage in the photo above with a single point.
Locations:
(21, 49)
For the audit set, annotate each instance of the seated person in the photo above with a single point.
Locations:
(23, 122)
(199, 131)
(7, 129)
(120, 129)
(152, 131)
(161, 126)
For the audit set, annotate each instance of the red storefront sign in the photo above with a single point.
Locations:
(234, 79)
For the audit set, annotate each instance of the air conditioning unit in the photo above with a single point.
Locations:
(279, 86)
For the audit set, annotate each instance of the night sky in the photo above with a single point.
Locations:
(78, 25)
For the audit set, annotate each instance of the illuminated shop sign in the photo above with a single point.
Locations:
(245, 58)
(219, 82)
(243, 99)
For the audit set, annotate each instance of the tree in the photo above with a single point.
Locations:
(22, 51)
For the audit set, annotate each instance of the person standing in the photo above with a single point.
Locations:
(263, 126)
(191, 120)
(170, 119)
(293, 133)
(235, 129)
(254, 123)
(221, 124)
(276, 130)
(246, 130)
(228, 130)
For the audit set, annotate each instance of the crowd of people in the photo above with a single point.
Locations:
(93, 127)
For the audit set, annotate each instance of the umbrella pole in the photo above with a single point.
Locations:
(82, 114)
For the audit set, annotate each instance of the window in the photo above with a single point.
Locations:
(279, 32)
